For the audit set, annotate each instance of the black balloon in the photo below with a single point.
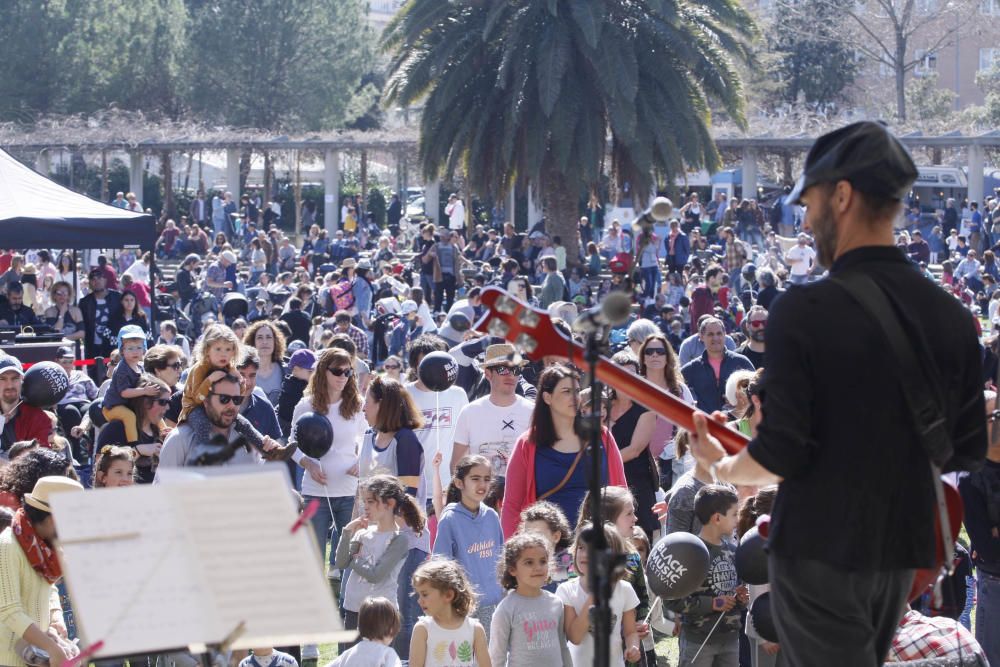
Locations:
(45, 384)
(677, 566)
(438, 371)
(313, 434)
(751, 558)
(763, 621)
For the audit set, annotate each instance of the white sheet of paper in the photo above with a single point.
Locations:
(155, 568)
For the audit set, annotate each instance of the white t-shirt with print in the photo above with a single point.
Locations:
(623, 599)
(440, 411)
(491, 430)
(805, 253)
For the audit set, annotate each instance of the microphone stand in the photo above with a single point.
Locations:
(601, 561)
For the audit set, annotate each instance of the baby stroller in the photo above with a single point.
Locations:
(167, 309)
(202, 310)
(234, 306)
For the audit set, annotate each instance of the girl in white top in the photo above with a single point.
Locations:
(578, 601)
(373, 546)
(447, 636)
(378, 625)
(332, 392)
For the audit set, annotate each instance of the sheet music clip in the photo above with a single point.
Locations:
(217, 655)
(85, 654)
(231, 638)
(308, 513)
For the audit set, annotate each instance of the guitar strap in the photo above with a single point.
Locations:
(918, 390)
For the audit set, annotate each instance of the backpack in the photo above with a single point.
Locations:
(620, 263)
(342, 295)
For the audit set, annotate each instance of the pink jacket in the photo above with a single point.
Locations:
(519, 488)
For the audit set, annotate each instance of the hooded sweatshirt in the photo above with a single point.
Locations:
(475, 541)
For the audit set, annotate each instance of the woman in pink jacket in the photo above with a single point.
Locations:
(549, 461)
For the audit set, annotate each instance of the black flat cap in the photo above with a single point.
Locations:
(866, 154)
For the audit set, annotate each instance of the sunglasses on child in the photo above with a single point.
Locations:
(340, 372)
(226, 399)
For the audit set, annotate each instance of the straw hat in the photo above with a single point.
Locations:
(46, 487)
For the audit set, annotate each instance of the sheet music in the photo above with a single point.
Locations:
(260, 572)
(139, 593)
(154, 568)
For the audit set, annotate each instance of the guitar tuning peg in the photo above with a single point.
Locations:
(498, 328)
(526, 343)
(505, 305)
(528, 318)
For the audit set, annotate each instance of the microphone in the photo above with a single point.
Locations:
(611, 312)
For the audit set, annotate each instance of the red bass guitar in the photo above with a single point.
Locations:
(530, 330)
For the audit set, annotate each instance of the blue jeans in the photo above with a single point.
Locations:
(650, 281)
(427, 284)
(328, 526)
(409, 609)
(988, 615)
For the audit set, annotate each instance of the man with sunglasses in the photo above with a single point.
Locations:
(489, 426)
(222, 407)
(753, 348)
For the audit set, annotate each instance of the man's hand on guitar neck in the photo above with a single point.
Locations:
(738, 469)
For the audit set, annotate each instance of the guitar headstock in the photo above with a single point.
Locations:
(528, 328)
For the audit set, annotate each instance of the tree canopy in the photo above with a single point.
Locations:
(271, 64)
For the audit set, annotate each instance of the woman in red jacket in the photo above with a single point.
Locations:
(548, 462)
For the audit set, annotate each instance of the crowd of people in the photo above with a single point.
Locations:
(450, 520)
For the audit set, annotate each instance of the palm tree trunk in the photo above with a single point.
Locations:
(560, 201)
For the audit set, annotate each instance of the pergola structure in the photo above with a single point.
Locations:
(136, 136)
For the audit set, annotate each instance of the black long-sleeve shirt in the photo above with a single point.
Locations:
(857, 490)
(981, 497)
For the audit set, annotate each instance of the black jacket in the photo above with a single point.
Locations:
(857, 491)
(88, 307)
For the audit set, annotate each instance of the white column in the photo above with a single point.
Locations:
(331, 190)
(233, 173)
(432, 202)
(534, 207)
(43, 163)
(512, 204)
(749, 173)
(135, 174)
(975, 155)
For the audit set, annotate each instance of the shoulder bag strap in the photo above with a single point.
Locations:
(569, 474)
(924, 405)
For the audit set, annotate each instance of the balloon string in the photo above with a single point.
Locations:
(435, 425)
(710, 633)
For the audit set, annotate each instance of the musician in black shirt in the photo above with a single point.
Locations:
(854, 515)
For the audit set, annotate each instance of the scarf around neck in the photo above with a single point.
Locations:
(42, 557)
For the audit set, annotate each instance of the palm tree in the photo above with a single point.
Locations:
(544, 91)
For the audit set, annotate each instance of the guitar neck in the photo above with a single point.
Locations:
(668, 406)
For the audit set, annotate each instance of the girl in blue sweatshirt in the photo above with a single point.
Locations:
(470, 532)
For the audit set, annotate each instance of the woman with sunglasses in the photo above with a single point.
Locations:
(393, 368)
(149, 411)
(62, 315)
(547, 462)
(632, 426)
(332, 392)
(658, 364)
